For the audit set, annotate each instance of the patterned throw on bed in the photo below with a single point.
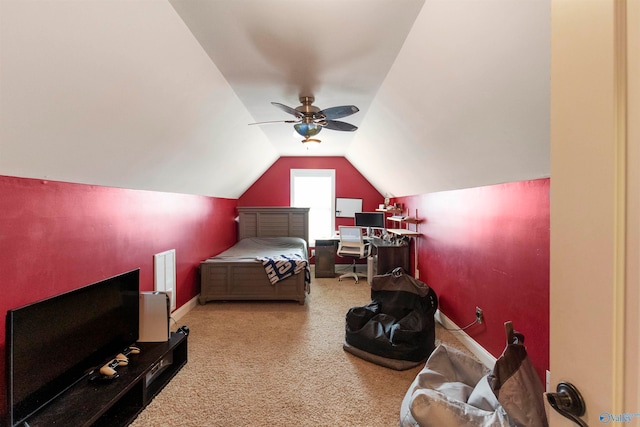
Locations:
(282, 266)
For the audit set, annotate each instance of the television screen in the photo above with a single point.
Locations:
(51, 344)
(369, 219)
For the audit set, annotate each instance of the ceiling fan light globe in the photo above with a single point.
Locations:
(307, 129)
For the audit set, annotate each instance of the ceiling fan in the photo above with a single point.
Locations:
(310, 119)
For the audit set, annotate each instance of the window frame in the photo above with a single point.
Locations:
(322, 173)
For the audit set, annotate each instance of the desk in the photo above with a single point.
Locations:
(385, 256)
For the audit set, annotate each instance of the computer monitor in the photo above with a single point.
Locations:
(369, 220)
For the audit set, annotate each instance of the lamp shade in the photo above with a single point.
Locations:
(307, 129)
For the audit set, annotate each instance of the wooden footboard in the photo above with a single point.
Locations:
(246, 281)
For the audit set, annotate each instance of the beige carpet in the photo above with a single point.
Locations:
(280, 364)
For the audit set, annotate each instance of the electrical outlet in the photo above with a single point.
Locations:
(479, 315)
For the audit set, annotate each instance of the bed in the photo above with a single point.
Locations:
(238, 274)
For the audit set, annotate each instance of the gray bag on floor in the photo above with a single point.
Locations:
(454, 389)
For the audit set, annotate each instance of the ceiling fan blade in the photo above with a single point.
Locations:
(274, 121)
(337, 125)
(338, 112)
(288, 109)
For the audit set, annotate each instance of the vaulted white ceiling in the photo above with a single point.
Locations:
(159, 94)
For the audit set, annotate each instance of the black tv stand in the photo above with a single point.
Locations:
(119, 401)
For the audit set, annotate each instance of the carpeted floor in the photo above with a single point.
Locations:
(280, 364)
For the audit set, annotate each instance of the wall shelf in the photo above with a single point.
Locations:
(391, 210)
(403, 232)
(403, 222)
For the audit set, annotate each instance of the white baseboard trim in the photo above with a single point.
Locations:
(485, 357)
(184, 309)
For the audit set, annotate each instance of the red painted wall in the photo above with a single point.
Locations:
(489, 247)
(56, 237)
(486, 246)
(273, 187)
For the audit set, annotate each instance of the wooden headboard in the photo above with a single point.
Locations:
(273, 222)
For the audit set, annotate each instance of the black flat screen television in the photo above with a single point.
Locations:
(369, 219)
(54, 343)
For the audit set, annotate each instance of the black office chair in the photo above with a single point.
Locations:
(352, 245)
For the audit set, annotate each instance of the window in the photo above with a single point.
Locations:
(315, 189)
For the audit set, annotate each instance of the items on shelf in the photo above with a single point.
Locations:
(403, 229)
(403, 221)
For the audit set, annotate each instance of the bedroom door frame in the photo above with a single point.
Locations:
(595, 213)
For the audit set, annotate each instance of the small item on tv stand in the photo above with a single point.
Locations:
(154, 317)
(131, 350)
(184, 329)
(108, 370)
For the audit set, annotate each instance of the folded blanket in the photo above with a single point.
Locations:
(280, 267)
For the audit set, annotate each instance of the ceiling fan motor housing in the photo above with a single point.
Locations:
(307, 108)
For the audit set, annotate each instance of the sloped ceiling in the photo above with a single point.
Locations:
(158, 95)
(466, 102)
